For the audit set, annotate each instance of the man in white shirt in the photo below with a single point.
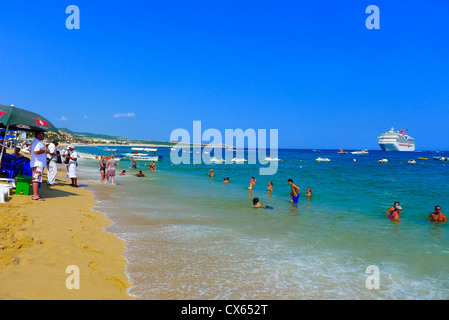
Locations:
(52, 157)
(73, 156)
(38, 163)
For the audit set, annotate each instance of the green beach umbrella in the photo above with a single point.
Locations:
(13, 118)
(17, 119)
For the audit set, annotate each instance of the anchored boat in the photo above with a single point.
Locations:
(396, 141)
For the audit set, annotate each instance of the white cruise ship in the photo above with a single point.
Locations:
(396, 141)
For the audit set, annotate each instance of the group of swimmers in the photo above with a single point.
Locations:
(108, 164)
(394, 213)
(139, 175)
(294, 194)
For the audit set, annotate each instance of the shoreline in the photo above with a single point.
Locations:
(39, 240)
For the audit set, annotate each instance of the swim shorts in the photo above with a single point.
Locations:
(37, 174)
(295, 199)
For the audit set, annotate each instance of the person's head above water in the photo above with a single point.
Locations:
(255, 201)
(290, 181)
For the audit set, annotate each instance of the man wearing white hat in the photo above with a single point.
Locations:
(52, 158)
(73, 157)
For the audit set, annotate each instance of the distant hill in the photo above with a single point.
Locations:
(89, 135)
(96, 136)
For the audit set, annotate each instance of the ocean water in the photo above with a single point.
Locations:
(192, 237)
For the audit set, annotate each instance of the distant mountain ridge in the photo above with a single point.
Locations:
(88, 135)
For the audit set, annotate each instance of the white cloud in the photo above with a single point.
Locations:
(124, 115)
(63, 118)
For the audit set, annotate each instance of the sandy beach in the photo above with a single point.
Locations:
(39, 240)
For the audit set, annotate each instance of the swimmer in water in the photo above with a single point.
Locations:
(257, 204)
(134, 166)
(270, 186)
(437, 216)
(225, 180)
(211, 173)
(395, 214)
(308, 193)
(252, 183)
(392, 208)
(123, 173)
(294, 194)
(140, 174)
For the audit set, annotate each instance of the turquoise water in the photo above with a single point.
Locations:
(192, 237)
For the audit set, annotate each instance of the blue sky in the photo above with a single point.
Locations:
(310, 69)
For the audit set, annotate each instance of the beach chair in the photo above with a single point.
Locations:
(3, 195)
(5, 192)
(10, 182)
(7, 187)
(27, 171)
(9, 169)
(16, 167)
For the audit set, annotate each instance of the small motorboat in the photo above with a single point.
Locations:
(272, 159)
(383, 160)
(412, 161)
(215, 160)
(140, 157)
(441, 158)
(360, 152)
(323, 159)
(238, 160)
(342, 152)
(88, 156)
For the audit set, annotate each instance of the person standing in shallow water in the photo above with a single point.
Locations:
(437, 216)
(134, 166)
(110, 169)
(395, 214)
(252, 183)
(392, 208)
(294, 194)
(308, 192)
(102, 169)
